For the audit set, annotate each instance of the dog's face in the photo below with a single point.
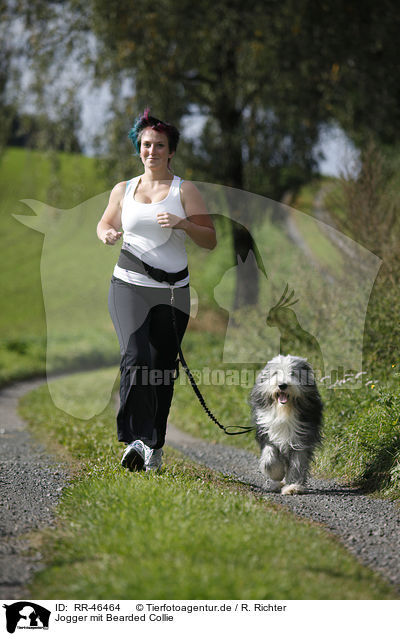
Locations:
(285, 379)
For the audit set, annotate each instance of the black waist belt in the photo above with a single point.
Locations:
(129, 261)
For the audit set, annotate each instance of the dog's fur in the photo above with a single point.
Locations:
(287, 413)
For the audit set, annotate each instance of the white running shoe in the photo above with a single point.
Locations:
(154, 460)
(135, 456)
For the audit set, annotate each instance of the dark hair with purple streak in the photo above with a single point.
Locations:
(147, 121)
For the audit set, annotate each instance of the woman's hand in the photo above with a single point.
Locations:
(168, 220)
(110, 236)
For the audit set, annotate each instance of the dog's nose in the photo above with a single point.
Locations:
(282, 386)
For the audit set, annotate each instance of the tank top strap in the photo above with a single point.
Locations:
(175, 189)
(131, 186)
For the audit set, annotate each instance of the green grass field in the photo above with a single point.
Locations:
(50, 309)
(42, 284)
(62, 181)
(54, 286)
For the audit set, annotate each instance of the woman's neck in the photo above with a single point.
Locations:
(157, 175)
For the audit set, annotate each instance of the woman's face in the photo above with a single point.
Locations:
(154, 149)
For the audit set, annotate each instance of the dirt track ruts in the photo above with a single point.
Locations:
(31, 483)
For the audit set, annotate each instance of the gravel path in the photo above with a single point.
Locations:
(31, 483)
(369, 528)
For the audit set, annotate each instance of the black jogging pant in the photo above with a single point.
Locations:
(142, 318)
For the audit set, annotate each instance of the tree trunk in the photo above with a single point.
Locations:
(247, 280)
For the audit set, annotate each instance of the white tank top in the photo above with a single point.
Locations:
(144, 237)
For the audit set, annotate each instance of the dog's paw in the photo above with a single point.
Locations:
(276, 486)
(292, 489)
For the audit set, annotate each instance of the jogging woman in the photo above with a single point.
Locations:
(153, 213)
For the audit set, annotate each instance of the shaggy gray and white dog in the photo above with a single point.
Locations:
(287, 412)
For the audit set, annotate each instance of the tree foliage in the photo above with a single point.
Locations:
(264, 75)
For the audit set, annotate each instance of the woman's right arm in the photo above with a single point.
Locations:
(108, 228)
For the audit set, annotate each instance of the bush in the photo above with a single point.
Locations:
(368, 209)
(362, 436)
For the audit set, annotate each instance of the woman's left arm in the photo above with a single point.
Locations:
(198, 223)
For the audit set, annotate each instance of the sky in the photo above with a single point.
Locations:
(340, 153)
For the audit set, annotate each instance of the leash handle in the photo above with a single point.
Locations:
(244, 429)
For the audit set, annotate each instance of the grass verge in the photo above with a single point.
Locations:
(184, 533)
